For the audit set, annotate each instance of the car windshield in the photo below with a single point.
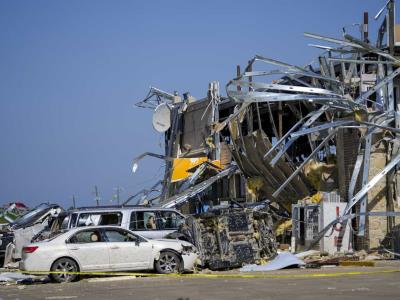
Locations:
(32, 214)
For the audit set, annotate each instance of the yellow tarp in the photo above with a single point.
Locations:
(182, 165)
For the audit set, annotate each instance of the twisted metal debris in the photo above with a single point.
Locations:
(331, 92)
(350, 86)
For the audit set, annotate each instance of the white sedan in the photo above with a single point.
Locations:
(106, 248)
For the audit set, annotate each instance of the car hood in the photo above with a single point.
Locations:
(168, 243)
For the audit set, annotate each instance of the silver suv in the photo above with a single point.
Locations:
(150, 222)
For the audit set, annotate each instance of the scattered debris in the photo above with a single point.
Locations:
(282, 261)
(306, 254)
(349, 263)
(19, 278)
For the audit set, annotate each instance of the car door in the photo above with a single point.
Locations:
(90, 250)
(128, 251)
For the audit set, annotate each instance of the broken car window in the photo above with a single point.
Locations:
(170, 220)
(94, 219)
(111, 219)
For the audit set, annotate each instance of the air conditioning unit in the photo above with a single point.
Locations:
(310, 219)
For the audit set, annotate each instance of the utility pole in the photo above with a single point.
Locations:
(365, 27)
(118, 189)
(97, 196)
(73, 201)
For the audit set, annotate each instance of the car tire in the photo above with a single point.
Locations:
(168, 263)
(64, 265)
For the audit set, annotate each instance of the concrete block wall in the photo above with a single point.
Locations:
(377, 228)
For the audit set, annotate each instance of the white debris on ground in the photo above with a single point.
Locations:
(19, 278)
(308, 253)
(283, 260)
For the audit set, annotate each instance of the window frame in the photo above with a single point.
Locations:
(160, 217)
(68, 241)
(156, 216)
(138, 238)
(118, 213)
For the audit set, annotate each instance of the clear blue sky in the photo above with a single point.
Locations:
(71, 71)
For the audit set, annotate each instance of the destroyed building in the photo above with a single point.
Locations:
(320, 142)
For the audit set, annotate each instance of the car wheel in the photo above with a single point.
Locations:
(168, 263)
(64, 265)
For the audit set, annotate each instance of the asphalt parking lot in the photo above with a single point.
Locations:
(380, 282)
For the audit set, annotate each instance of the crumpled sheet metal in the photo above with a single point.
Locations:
(328, 91)
(196, 189)
(325, 88)
(266, 92)
(253, 164)
(283, 260)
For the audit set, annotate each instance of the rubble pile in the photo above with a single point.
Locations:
(300, 158)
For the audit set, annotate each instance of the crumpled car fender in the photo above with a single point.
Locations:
(158, 252)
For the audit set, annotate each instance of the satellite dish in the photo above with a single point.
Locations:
(162, 118)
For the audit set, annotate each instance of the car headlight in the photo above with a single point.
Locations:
(188, 249)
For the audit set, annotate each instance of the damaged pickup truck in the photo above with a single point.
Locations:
(21, 232)
(228, 237)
